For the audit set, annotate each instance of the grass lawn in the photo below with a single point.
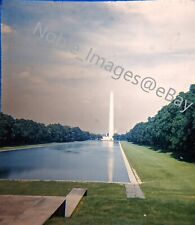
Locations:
(169, 187)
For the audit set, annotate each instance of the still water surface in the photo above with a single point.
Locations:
(78, 161)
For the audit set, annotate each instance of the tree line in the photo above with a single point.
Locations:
(22, 132)
(170, 130)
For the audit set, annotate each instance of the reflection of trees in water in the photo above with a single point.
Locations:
(68, 147)
(5, 173)
(73, 152)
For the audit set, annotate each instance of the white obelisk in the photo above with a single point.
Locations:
(111, 116)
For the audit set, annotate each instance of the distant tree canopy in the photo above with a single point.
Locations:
(169, 130)
(120, 137)
(21, 131)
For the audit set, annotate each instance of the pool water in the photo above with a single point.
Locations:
(75, 161)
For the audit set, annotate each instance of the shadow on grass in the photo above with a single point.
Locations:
(187, 157)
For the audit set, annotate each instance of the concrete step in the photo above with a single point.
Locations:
(73, 199)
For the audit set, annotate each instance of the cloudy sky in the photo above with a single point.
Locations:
(43, 79)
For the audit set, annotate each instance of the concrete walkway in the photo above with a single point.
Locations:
(36, 210)
(29, 210)
(133, 189)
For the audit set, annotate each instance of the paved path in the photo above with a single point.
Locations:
(29, 210)
(36, 210)
(133, 189)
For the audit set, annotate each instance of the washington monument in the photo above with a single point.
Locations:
(111, 119)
